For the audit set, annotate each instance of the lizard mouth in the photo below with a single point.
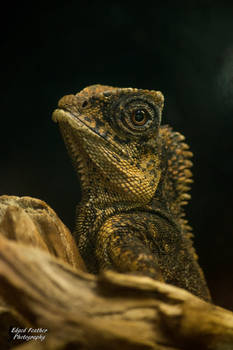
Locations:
(80, 127)
(62, 115)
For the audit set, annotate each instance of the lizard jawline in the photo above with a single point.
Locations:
(72, 141)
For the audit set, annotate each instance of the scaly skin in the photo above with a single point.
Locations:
(134, 175)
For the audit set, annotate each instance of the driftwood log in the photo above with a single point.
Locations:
(43, 284)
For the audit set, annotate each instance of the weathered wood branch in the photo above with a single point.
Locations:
(32, 222)
(109, 311)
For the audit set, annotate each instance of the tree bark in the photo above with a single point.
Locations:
(110, 311)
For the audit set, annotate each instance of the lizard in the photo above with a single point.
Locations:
(135, 175)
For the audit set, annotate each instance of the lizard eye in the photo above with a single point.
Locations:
(139, 117)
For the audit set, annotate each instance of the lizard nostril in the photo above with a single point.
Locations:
(84, 104)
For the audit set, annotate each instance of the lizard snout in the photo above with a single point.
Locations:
(67, 101)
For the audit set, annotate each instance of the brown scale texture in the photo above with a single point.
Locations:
(135, 175)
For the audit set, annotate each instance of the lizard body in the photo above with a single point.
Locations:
(134, 175)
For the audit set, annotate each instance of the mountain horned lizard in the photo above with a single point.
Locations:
(134, 175)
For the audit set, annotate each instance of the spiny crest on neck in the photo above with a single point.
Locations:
(176, 175)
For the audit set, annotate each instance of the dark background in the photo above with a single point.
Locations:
(186, 51)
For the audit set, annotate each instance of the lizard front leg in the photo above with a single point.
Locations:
(122, 246)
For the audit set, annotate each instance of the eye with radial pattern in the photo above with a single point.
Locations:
(137, 115)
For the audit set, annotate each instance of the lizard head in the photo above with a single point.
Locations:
(112, 137)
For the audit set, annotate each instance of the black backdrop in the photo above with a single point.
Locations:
(186, 51)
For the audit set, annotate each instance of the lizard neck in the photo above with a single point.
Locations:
(93, 210)
(96, 206)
